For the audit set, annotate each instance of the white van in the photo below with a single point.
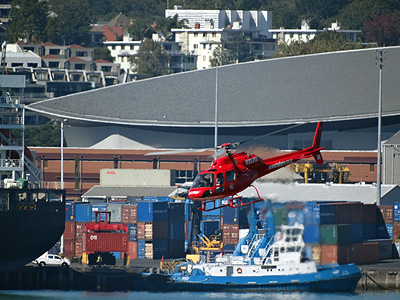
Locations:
(52, 260)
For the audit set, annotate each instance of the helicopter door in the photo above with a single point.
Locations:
(220, 183)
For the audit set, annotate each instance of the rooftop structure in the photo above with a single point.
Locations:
(305, 33)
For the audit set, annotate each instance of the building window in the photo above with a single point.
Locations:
(54, 51)
(81, 53)
(53, 64)
(79, 66)
(106, 68)
(32, 65)
(195, 34)
(195, 46)
(372, 168)
(204, 34)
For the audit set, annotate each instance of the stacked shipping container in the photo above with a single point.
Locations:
(156, 229)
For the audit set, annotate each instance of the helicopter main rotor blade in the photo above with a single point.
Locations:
(268, 134)
(178, 151)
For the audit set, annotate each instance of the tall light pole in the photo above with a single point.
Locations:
(216, 109)
(62, 153)
(378, 176)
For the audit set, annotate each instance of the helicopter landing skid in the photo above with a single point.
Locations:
(234, 202)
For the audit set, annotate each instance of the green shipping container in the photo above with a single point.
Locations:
(280, 215)
(336, 234)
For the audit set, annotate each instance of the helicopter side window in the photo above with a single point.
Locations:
(230, 176)
(220, 183)
(204, 180)
(220, 179)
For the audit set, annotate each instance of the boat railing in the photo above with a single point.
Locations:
(253, 244)
(268, 251)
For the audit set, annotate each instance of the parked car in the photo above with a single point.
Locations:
(52, 260)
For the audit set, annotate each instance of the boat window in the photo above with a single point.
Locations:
(296, 231)
(230, 176)
(4, 203)
(291, 249)
(282, 249)
(204, 180)
(220, 179)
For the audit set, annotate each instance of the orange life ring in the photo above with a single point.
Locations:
(239, 270)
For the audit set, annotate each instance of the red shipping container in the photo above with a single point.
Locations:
(366, 253)
(69, 231)
(69, 247)
(329, 254)
(187, 229)
(348, 213)
(128, 214)
(369, 214)
(106, 242)
(132, 250)
(387, 213)
(396, 230)
(79, 229)
(140, 230)
(78, 248)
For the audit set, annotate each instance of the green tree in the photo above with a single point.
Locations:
(220, 57)
(151, 59)
(383, 29)
(46, 135)
(164, 25)
(236, 50)
(324, 42)
(103, 53)
(70, 22)
(27, 21)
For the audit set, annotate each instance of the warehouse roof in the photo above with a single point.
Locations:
(365, 193)
(125, 191)
(329, 86)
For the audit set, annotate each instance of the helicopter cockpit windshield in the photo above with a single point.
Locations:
(204, 180)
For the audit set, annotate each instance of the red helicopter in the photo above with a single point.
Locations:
(234, 172)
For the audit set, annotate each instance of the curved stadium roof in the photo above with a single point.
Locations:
(336, 86)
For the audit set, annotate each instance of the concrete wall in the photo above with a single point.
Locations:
(129, 177)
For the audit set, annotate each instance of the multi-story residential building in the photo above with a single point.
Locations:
(209, 29)
(305, 33)
(123, 51)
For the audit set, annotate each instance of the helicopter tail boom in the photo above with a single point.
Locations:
(316, 144)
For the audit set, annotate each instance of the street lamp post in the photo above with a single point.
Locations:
(378, 176)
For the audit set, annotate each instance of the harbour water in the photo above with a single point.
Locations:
(72, 295)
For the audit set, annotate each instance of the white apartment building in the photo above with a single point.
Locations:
(123, 50)
(208, 29)
(305, 33)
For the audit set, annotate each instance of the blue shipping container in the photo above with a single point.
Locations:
(99, 207)
(370, 232)
(70, 211)
(327, 214)
(160, 249)
(141, 249)
(176, 231)
(295, 216)
(396, 212)
(312, 234)
(176, 212)
(132, 231)
(311, 212)
(152, 211)
(356, 233)
(208, 228)
(235, 215)
(83, 212)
